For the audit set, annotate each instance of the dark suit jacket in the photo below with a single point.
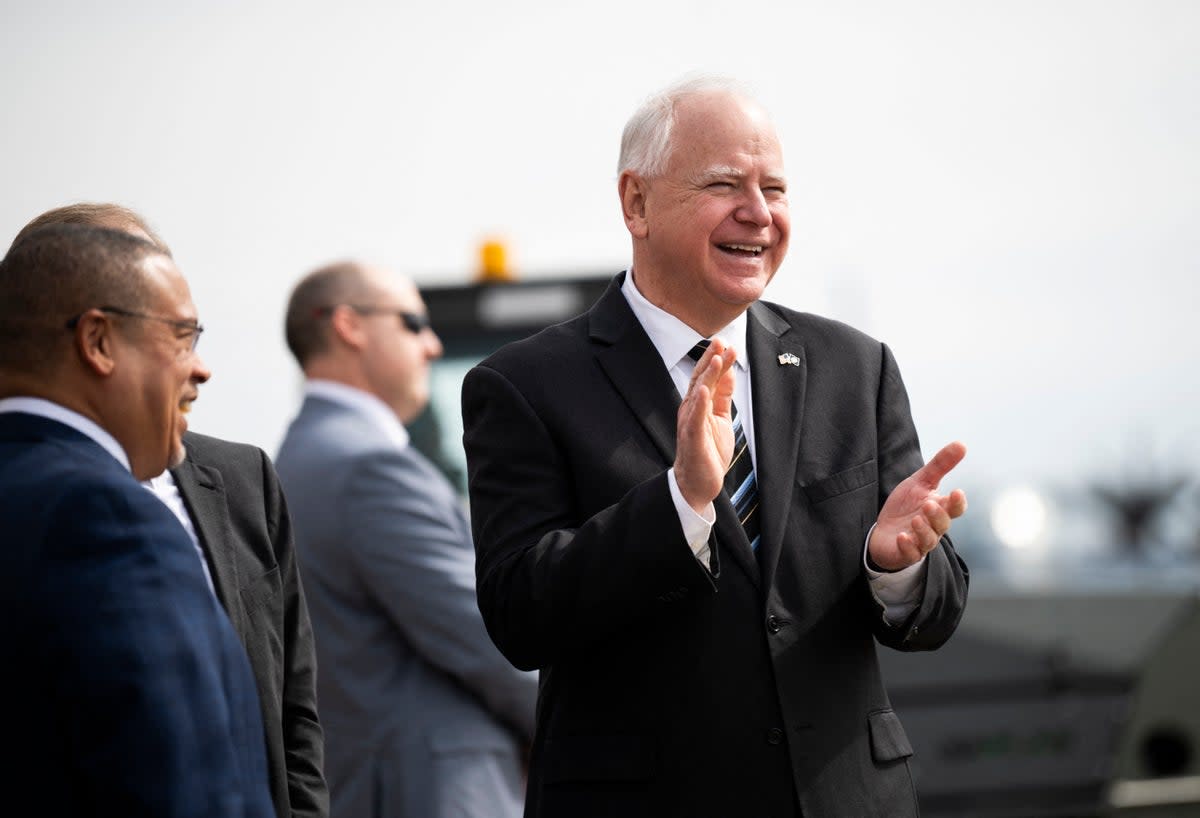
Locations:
(233, 497)
(667, 691)
(127, 691)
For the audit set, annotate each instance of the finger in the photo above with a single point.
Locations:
(954, 503)
(718, 343)
(698, 476)
(702, 365)
(925, 536)
(936, 516)
(692, 422)
(703, 371)
(909, 547)
(940, 464)
(723, 388)
(698, 369)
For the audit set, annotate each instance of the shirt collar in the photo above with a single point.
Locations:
(671, 337)
(369, 406)
(68, 417)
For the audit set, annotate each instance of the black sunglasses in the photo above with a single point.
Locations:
(414, 322)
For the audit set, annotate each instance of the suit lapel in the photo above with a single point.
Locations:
(635, 369)
(778, 398)
(203, 493)
(729, 533)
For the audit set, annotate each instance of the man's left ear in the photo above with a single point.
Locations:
(632, 189)
(345, 324)
(94, 342)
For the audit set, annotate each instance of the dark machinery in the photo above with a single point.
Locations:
(1068, 703)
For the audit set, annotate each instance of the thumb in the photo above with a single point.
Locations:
(940, 464)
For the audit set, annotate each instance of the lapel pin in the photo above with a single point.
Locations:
(788, 359)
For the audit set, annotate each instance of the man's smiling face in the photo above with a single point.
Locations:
(716, 221)
(160, 370)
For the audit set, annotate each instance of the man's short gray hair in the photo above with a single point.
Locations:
(646, 141)
(55, 273)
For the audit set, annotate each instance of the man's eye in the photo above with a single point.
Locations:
(720, 185)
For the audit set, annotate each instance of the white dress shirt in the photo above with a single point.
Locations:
(164, 488)
(900, 592)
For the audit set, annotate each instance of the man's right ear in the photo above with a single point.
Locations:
(94, 342)
(632, 189)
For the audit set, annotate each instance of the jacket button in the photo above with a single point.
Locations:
(774, 736)
(773, 623)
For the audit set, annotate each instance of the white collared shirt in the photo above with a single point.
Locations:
(674, 340)
(165, 489)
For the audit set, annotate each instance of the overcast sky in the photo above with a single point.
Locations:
(1007, 193)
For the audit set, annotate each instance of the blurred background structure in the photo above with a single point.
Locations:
(1007, 193)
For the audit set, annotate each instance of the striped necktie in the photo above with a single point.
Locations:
(740, 483)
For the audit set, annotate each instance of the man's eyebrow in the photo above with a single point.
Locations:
(721, 172)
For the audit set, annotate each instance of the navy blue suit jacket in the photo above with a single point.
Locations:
(128, 692)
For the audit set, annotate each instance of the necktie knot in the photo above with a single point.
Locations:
(697, 352)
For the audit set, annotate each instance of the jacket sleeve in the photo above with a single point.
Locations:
(303, 741)
(550, 584)
(944, 596)
(130, 630)
(413, 551)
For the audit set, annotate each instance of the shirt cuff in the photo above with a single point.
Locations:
(898, 591)
(696, 527)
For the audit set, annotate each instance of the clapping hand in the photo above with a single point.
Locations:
(704, 427)
(915, 516)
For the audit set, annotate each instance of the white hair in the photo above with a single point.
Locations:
(646, 141)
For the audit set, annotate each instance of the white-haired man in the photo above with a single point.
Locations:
(702, 588)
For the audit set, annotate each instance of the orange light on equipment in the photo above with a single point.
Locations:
(493, 262)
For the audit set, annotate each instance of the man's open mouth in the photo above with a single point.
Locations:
(744, 250)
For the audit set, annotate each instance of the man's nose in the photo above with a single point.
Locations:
(753, 209)
(433, 345)
(200, 371)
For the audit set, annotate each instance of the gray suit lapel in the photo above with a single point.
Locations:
(778, 397)
(203, 493)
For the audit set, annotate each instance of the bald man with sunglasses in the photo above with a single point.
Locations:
(423, 717)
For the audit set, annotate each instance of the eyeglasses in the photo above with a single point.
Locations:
(192, 327)
(414, 322)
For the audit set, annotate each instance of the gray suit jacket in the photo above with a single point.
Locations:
(233, 497)
(423, 717)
